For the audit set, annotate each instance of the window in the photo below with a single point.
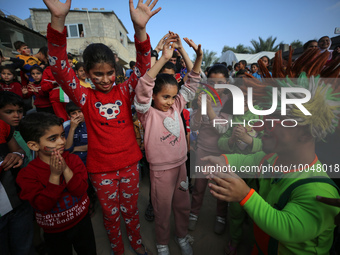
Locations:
(75, 30)
(121, 38)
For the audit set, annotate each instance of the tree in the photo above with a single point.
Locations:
(296, 44)
(209, 57)
(239, 49)
(264, 45)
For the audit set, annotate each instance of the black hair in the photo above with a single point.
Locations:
(10, 98)
(98, 53)
(207, 69)
(163, 79)
(306, 45)
(35, 125)
(71, 107)
(1, 56)
(241, 72)
(43, 50)
(230, 68)
(174, 54)
(69, 56)
(222, 69)
(79, 65)
(236, 65)
(243, 62)
(224, 63)
(11, 69)
(19, 44)
(267, 58)
(36, 68)
(254, 64)
(132, 64)
(168, 65)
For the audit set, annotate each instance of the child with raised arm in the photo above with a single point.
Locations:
(55, 184)
(113, 152)
(159, 107)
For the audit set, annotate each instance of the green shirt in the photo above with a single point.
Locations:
(304, 226)
(257, 143)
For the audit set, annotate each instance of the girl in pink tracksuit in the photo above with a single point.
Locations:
(159, 106)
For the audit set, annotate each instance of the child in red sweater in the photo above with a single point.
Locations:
(41, 99)
(55, 184)
(9, 81)
(113, 152)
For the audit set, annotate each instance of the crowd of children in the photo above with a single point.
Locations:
(93, 126)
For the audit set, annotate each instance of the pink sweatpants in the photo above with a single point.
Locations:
(118, 193)
(169, 190)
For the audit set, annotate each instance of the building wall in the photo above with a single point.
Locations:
(99, 27)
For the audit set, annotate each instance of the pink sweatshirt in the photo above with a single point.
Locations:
(164, 138)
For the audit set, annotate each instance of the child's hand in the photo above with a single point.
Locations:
(160, 44)
(168, 48)
(12, 160)
(32, 88)
(240, 132)
(197, 48)
(178, 44)
(58, 11)
(57, 164)
(57, 8)
(141, 15)
(24, 90)
(75, 122)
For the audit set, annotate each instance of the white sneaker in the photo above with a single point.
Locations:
(192, 221)
(185, 244)
(219, 225)
(163, 249)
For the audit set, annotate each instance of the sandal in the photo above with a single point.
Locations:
(145, 253)
(149, 215)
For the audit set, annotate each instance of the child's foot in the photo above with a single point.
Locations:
(149, 215)
(192, 221)
(142, 251)
(163, 249)
(219, 225)
(185, 244)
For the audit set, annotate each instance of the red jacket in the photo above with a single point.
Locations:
(57, 207)
(42, 99)
(14, 87)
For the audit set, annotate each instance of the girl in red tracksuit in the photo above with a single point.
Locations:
(8, 80)
(41, 100)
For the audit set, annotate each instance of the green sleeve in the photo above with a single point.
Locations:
(257, 145)
(302, 219)
(223, 142)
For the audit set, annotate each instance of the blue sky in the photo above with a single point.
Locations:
(216, 23)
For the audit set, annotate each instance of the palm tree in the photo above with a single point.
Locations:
(239, 49)
(296, 44)
(209, 57)
(264, 45)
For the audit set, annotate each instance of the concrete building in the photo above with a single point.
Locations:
(15, 29)
(90, 26)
